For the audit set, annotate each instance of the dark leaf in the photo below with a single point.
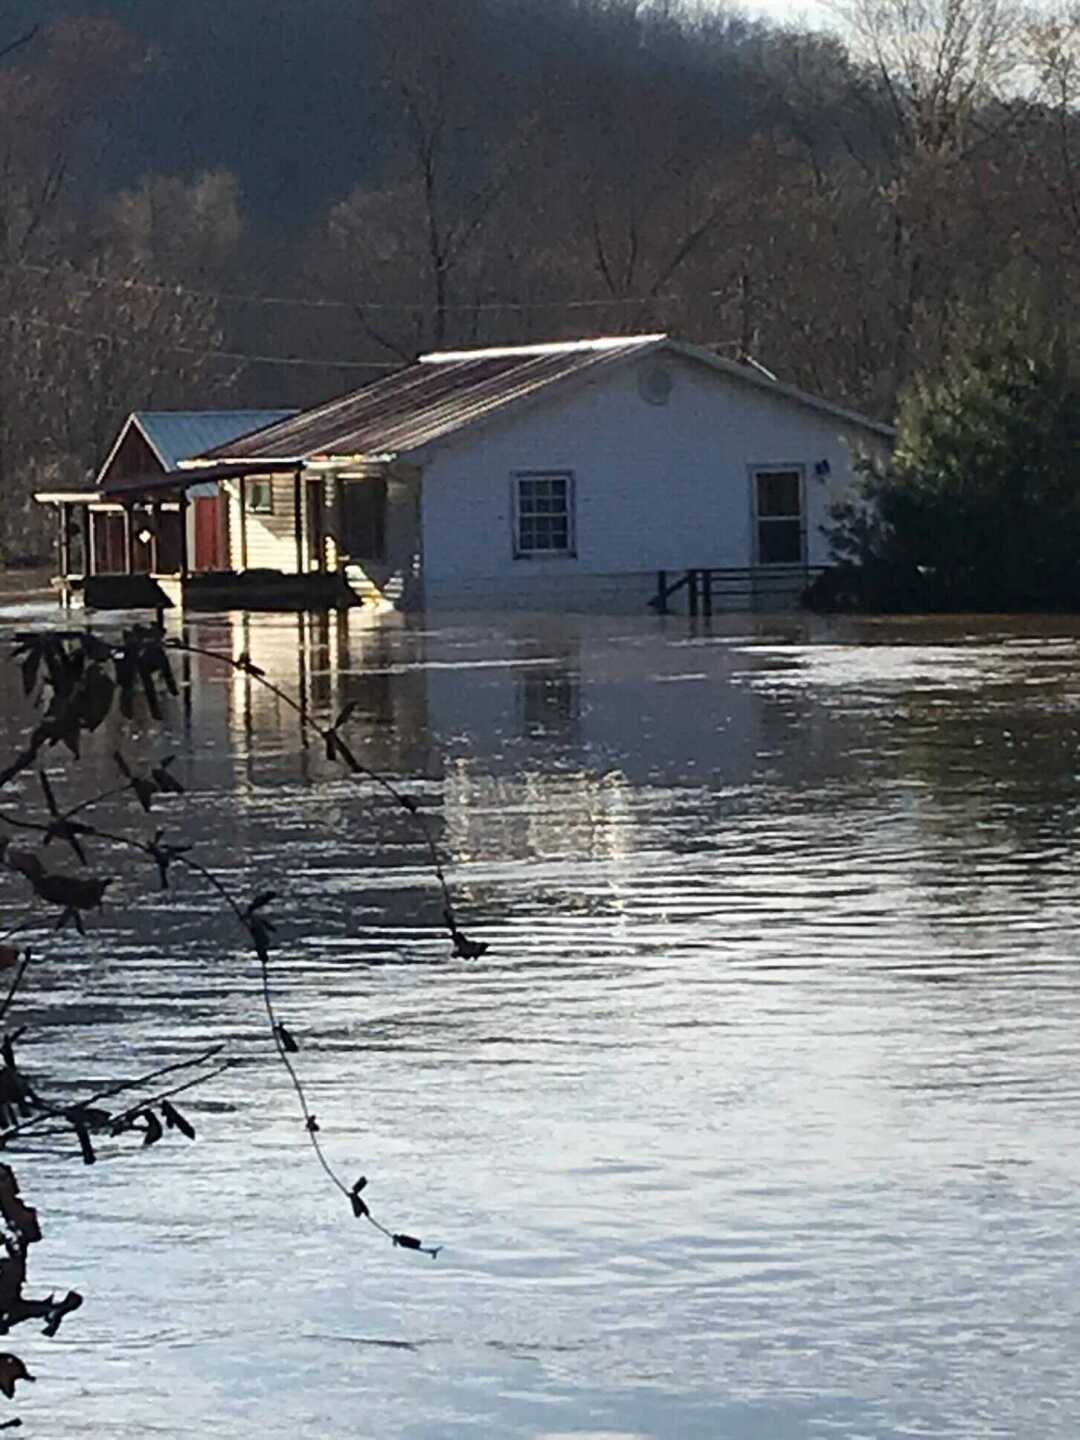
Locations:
(152, 1125)
(245, 662)
(359, 1209)
(311, 1125)
(408, 1242)
(288, 1040)
(345, 715)
(90, 1116)
(260, 933)
(97, 698)
(164, 779)
(73, 892)
(30, 667)
(85, 1144)
(71, 1301)
(11, 1370)
(146, 676)
(165, 670)
(466, 949)
(144, 791)
(175, 1121)
(95, 648)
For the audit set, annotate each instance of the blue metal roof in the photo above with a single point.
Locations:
(177, 435)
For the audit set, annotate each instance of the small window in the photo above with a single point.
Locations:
(260, 497)
(544, 515)
(778, 516)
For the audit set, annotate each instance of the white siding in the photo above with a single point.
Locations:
(270, 540)
(656, 486)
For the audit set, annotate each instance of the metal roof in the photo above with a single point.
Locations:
(430, 399)
(443, 393)
(176, 435)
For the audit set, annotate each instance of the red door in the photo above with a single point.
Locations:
(211, 533)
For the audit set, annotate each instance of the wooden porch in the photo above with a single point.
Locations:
(130, 546)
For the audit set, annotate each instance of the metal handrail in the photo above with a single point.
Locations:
(702, 582)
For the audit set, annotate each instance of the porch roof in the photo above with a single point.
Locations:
(67, 497)
(177, 482)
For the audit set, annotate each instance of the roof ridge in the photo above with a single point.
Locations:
(549, 347)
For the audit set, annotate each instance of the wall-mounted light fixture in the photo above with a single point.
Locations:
(822, 469)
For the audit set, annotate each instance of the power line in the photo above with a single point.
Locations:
(353, 306)
(205, 354)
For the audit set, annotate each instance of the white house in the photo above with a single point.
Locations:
(596, 473)
(552, 476)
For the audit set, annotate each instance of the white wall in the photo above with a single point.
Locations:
(656, 486)
(270, 540)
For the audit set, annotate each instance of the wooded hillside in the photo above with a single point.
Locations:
(264, 203)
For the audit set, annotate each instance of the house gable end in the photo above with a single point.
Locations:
(132, 455)
(732, 377)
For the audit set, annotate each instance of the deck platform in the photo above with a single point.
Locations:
(246, 590)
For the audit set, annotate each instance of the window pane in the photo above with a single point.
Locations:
(779, 542)
(778, 493)
(260, 497)
(543, 511)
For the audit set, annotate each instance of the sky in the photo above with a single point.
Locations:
(813, 11)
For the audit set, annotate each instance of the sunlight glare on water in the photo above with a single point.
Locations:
(756, 1120)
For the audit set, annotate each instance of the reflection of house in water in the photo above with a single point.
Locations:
(324, 662)
(549, 684)
(563, 737)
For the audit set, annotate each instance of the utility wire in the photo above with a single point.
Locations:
(124, 282)
(203, 353)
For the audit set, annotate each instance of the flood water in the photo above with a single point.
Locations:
(758, 1119)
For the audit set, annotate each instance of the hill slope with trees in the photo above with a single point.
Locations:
(268, 204)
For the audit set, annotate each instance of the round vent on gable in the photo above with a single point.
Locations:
(655, 383)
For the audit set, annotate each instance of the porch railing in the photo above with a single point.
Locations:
(732, 588)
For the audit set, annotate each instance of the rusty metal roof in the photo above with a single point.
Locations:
(428, 400)
(442, 393)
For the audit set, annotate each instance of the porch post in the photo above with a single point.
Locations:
(317, 521)
(183, 534)
(90, 542)
(298, 516)
(155, 526)
(63, 513)
(129, 540)
(242, 491)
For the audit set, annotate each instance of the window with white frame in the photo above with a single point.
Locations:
(543, 513)
(260, 497)
(779, 529)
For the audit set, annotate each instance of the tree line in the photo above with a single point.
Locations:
(261, 207)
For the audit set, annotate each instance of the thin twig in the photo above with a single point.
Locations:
(16, 982)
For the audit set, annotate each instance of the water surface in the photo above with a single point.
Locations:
(757, 1119)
